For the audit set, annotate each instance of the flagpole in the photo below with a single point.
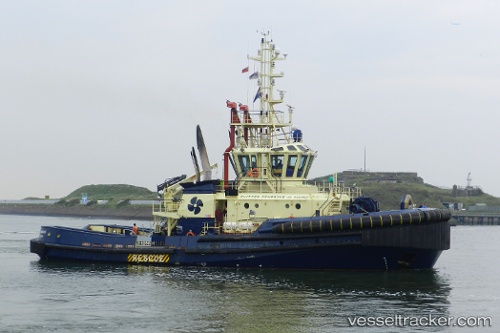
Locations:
(248, 87)
(248, 66)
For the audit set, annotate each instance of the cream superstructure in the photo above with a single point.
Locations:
(271, 163)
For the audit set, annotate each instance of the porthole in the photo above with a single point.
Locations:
(256, 205)
(298, 206)
(246, 205)
(287, 206)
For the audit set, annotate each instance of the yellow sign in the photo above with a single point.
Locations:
(148, 258)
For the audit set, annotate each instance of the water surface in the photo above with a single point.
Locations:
(72, 297)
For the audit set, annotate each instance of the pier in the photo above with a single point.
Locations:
(476, 219)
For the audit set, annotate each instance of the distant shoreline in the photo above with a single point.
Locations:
(95, 211)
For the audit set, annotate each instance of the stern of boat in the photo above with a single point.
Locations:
(37, 247)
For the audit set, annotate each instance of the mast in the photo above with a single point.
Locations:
(266, 57)
(266, 149)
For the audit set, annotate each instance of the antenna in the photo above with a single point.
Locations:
(364, 165)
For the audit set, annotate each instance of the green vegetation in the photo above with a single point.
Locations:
(68, 203)
(389, 193)
(117, 194)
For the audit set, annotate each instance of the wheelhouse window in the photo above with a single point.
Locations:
(247, 162)
(253, 160)
(302, 165)
(244, 161)
(290, 167)
(309, 163)
(277, 165)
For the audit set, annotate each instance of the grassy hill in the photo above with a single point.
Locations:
(112, 192)
(389, 193)
(118, 205)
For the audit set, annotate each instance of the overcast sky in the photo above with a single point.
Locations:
(110, 92)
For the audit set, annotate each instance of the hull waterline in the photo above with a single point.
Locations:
(374, 249)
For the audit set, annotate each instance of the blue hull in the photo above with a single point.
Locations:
(397, 247)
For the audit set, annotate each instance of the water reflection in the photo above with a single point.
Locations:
(72, 267)
(272, 300)
(291, 299)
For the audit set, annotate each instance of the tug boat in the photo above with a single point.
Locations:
(267, 215)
